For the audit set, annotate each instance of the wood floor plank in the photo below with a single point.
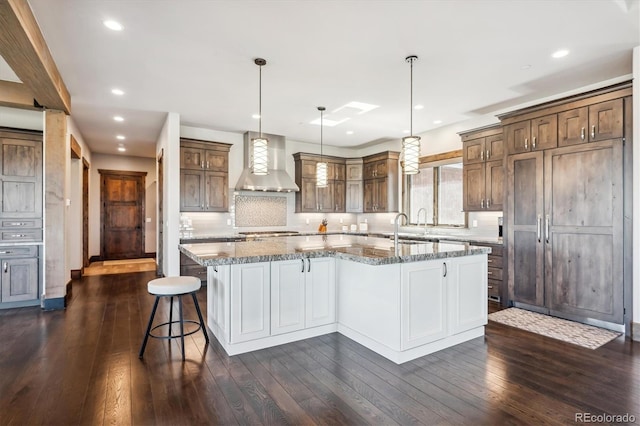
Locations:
(81, 366)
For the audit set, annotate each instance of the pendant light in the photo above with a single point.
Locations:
(411, 144)
(259, 155)
(321, 166)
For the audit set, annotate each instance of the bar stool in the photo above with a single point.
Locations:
(172, 287)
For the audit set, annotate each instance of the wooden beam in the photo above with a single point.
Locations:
(16, 95)
(23, 47)
(428, 159)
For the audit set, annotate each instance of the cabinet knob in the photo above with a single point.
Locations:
(593, 131)
(5, 266)
(582, 133)
(526, 143)
(488, 154)
(534, 143)
(482, 203)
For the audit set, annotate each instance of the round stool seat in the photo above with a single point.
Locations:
(172, 286)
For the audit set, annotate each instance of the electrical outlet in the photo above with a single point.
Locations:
(341, 221)
(474, 223)
(307, 220)
(228, 221)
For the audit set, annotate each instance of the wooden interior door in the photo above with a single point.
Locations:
(85, 213)
(122, 199)
(584, 256)
(160, 232)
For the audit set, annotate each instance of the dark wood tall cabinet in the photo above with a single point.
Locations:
(381, 178)
(21, 204)
(565, 209)
(310, 198)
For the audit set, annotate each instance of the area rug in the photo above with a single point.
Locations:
(573, 332)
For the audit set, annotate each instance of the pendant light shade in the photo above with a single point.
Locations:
(411, 144)
(321, 166)
(259, 153)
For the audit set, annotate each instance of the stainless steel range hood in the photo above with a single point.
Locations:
(277, 179)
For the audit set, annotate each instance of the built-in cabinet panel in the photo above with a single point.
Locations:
(287, 296)
(320, 292)
(250, 301)
(532, 135)
(19, 273)
(467, 292)
(21, 178)
(311, 198)
(381, 180)
(204, 176)
(483, 170)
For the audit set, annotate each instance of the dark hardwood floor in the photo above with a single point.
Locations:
(81, 366)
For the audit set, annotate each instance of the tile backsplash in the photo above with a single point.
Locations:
(254, 211)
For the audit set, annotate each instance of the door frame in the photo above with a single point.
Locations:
(159, 201)
(85, 213)
(141, 199)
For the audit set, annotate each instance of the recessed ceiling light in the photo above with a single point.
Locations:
(113, 25)
(120, 137)
(437, 121)
(349, 132)
(122, 149)
(117, 92)
(418, 106)
(560, 53)
(256, 116)
(525, 67)
(118, 118)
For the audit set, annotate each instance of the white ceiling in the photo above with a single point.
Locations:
(195, 58)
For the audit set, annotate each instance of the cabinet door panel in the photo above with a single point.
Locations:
(572, 127)
(320, 282)
(519, 137)
(191, 191)
(325, 198)
(369, 195)
(217, 161)
(424, 303)
(19, 279)
(216, 196)
(287, 296)
(354, 196)
(525, 214)
(309, 195)
(473, 151)
(21, 179)
(339, 196)
(191, 158)
(382, 194)
(339, 172)
(467, 283)
(354, 172)
(494, 145)
(494, 185)
(473, 184)
(544, 132)
(605, 120)
(250, 301)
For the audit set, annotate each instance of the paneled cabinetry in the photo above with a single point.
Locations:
(565, 219)
(483, 169)
(354, 186)
(21, 203)
(532, 135)
(380, 174)
(204, 176)
(310, 198)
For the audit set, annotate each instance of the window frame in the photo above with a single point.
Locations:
(435, 161)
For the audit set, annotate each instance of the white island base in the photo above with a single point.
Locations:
(401, 311)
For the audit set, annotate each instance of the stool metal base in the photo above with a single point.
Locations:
(181, 321)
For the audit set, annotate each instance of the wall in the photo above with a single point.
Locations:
(74, 210)
(120, 162)
(21, 118)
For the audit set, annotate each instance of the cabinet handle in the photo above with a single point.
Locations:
(444, 269)
(309, 265)
(336, 207)
(482, 155)
(207, 164)
(593, 131)
(482, 203)
(16, 224)
(202, 164)
(5, 252)
(539, 228)
(526, 143)
(534, 142)
(302, 259)
(490, 287)
(582, 133)
(488, 202)
(547, 228)
(489, 273)
(490, 261)
(488, 154)
(18, 235)
(5, 266)
(215, 268)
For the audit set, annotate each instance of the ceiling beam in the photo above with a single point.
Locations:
(23, 47)
(16, 95)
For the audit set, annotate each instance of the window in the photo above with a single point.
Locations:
(438, 190)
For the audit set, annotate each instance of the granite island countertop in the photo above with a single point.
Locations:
(364, 249)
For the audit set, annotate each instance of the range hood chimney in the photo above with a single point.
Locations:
(277, 180)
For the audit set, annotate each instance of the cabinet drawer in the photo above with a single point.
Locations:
(495, 261)
(19, 251)
(20, 223)
(21, 235)
(495, 273)
(494, 288)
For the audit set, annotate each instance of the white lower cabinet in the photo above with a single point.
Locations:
(303, 294)
(467, 281)
(218, 299)
(250, 307)
(424, 303)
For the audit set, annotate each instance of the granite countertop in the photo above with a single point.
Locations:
(364, 249)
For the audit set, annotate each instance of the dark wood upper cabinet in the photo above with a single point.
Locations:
(518, 137)
(482, 174)
(605, 120)
(544, 133)
(204, 176)
(381, 178)
(21, 178)
(310, 198)
(572, 126)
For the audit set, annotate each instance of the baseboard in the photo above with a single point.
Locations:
(95, 259)
(152, 255)
(100, 258)
(635, 331)
(55, 304)
(76, 274)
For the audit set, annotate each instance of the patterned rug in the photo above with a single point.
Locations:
(573, 332)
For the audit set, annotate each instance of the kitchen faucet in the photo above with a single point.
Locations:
(396, 225)
(422, 209)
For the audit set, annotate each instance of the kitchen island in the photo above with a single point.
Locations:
(402, 300)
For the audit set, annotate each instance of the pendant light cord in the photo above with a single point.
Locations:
(260, 102)
(411, 102)
(321, 126)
